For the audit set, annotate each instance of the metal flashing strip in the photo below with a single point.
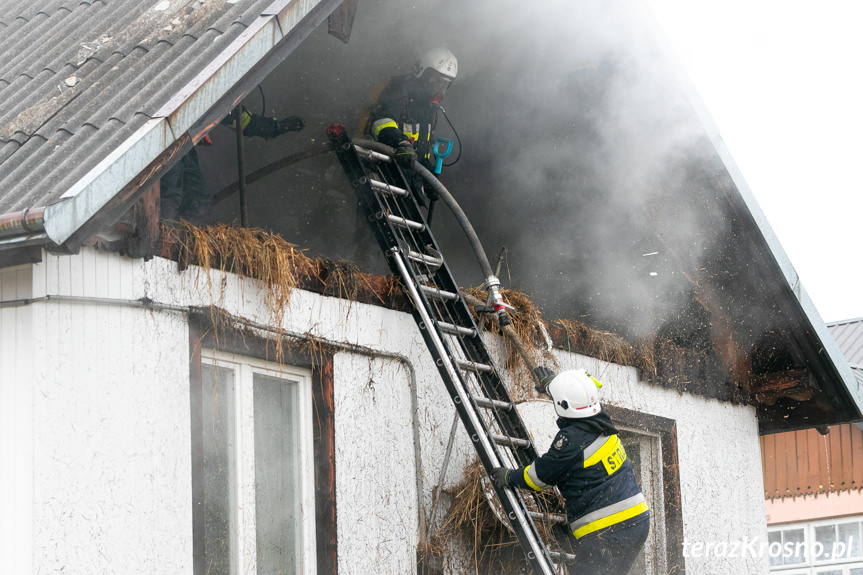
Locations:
(87, 196)
(228, 68)
(825, 338)
(91, 193)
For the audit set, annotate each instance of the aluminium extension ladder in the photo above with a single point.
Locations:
(481, 400)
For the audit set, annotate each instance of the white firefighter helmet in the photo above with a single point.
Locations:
(575, 394)
(440, 60)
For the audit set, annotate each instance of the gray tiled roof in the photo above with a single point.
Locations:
(79, 79)
(80, 87)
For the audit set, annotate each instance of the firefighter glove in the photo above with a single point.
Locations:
(499, 477)
(255, 125)
(290, 124)
(405, 154)
(544, 375)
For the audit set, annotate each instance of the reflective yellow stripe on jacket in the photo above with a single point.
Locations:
(382, 124)
(610, 515)
(531, 478)
(606, 450)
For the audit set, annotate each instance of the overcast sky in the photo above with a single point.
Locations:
(783, 80)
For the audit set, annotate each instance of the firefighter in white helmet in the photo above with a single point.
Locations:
(606, 510)
(405, 116)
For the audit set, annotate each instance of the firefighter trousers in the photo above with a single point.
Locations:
(613, 550)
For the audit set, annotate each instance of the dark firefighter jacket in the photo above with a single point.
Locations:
(406, 110)
(588, 464)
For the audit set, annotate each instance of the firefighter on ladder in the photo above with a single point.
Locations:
(605, 508)
(405, 116)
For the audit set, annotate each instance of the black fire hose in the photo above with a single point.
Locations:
(444, 195)
(491, 283)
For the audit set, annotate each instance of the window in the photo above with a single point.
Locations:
(830, 547)
(651, 446)
(255, 508)
(643, 452)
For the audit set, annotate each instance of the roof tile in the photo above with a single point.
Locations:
(94, 72)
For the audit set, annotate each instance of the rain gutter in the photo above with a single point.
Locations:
(826, 342)
(84, 200)
(29, 222)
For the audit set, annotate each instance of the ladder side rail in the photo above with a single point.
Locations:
(391, 240)
(387, 239)
(477, 429)
(488, 385)
(510, 498)
(520, 455)
(457, 313)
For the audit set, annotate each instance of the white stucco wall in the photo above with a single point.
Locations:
(375, 462)
(110, 459)
(17, 360)
(112, 472)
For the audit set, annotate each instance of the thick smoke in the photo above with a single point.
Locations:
(579, 150)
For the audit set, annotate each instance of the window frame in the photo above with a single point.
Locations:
(661, 433)
(245, 369)
(810, 565)
(208, 331)
(650, 474)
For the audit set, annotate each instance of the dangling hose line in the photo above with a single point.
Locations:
(457, 138)
(263, 101)
(484, 263)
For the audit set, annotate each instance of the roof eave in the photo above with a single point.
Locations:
(82, 203)
(832, 356)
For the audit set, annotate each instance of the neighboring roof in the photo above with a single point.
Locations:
(98, 90)
(849, 338)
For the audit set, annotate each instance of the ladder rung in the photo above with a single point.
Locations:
(492, 403)
(428, 260)
(405, 223)
(553, 517)
(557, 556)
(456, 329)
(473, 366)
(510, 441)
(372, 155)
(439, 293)
(387, 188)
